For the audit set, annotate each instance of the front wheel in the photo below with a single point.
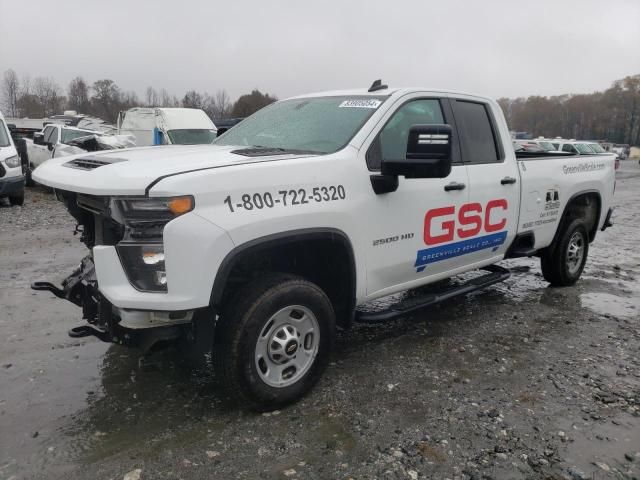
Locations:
(563, 262)
(272, 342)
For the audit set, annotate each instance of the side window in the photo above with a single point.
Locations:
(391, 142)
(53, 138)
(568, 148)
(478, 139)
(555, 145)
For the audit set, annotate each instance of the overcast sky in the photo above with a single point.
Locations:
(492, 47)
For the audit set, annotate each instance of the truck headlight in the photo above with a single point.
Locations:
(12, 162)
(141, 250)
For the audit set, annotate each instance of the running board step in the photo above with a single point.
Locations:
(522, 252)
(495, 274)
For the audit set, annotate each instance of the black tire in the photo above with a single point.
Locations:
(560, 267)
(21, 147)
(28, 180)
(242, 324)
(17, 199)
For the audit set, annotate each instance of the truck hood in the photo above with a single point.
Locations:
(131, 171)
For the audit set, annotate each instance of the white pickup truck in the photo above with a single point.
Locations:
(45, 143)
(300, 216)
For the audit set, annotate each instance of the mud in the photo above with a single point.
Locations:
(518, 381)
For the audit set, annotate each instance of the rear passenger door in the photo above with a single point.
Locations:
(494, 189)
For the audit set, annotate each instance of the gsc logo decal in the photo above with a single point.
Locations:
(470, 220)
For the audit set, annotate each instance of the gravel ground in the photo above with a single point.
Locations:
(519, 381)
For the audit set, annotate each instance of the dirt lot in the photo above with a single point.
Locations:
(520, 381)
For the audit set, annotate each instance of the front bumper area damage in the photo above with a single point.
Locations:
(131, 328)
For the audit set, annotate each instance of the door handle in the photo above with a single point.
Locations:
(454, 186)
(508, 181)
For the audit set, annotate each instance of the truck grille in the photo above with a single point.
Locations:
(91, 163)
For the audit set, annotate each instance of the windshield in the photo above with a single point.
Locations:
(68, 134)
(597, 148)
(191, 136)
(582, 148)
(4, 136)
(320, 125)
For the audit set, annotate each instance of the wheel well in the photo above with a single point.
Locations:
(586, 206)
(322, 257)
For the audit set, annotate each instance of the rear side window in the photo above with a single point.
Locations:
(476, 132)
(568, 148)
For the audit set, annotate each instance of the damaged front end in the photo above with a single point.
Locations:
(134, 226)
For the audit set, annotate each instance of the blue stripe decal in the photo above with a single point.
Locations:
(451, 250)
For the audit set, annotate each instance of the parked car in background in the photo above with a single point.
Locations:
(45, 143)
(527, 146)
(535, 144)
(11, 176)
(596, 147)
(167, 126)
(224, 124)
(622, 151)
(573, 146)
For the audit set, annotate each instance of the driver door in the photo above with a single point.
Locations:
(408, 229)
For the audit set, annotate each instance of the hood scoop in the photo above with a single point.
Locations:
(92, 162)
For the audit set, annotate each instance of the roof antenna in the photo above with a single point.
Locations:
(377, 85)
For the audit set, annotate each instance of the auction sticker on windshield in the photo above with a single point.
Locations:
(361, 103)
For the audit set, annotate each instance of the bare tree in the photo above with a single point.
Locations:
(78, 95)
(47, 94)
(152, 97)
(10, 92)
(106, 101)
(165, 98)
(193, 99)
(251, 102)
(222, 104)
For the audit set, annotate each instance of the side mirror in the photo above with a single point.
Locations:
(38, 138)
(428, 154)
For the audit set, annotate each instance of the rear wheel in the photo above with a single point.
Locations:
(563, 262)
(273, 340)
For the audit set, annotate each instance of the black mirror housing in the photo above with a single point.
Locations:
(38, 138)
(428, 153)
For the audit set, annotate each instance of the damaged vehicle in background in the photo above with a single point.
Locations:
(59, 140)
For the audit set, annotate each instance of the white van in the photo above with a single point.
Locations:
(11, 176)
(167, 126)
